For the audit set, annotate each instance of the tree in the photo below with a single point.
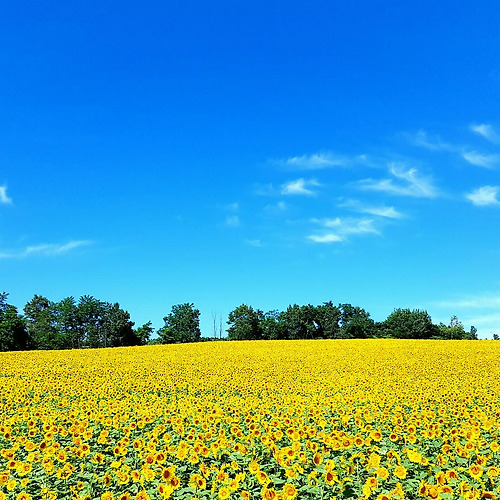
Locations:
(327, 317)
(407, 324)
(245, 323)
(300, 322)
(455, 331)
(41, 322)
(117, 328)
(66, 317)
(355, 322)
(272, 326)
(144, 332)
(90, 319)
(472, 335)
(181, 325)
(13, 334)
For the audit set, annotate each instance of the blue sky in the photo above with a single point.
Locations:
(265, 153)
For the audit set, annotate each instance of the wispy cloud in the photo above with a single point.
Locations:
(300, 187)
(314, 161)
(233, 220)
(480, 301)
(45, 249)
(481, 160)
(325, 238)
(254, 243)
(388, 212)
(484, 196)
(264, 189)
(381, 211)
(426, 141)
(275, 209)
(318, 161)
(338, 229)
(434, 143)
(480, 310)
(405, 182)
(3, 195)
(487, 132)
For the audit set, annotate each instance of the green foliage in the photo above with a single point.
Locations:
(300, 322)
(41, 323)
(13, 334)
(117, 328)
(181, 325)
(67, 321)
(245, 323)
(455, 331)
(355, 322)
(327, 317)
(273, 327)
(410, 324)
(144, 332)
(68, 325)
(94, 323)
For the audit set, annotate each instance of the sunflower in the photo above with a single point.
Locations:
(289, 491)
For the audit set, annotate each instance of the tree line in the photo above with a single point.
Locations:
(343, 321)
(92, 323)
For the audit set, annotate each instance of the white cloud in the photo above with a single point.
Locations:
(45, 249)
(480, 310)
(325, 238)
(275, 209)
(232, 220)
(487, 132)
(387, 212)
(484, 196)
(3, 195)
(299, 187)
(422, 139)
(343, 228)
(254, 243)
(487, 321)
(481, 301)
(264, 189)
(322, 160)
(406, 182)
(481, 160)
(314, 161)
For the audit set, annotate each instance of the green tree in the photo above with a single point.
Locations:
(13, 334)
(90, 320)
(41, 322)
(410, 324)
(301, 322)
(181, 325)
(272, 326)
(327, 317)
(453, 331)
(66, 317)
(144, 332)
(472, 334)
(245, 323)
(355, 322)
(117, 328)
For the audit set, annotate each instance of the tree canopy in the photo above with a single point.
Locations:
(181, 325)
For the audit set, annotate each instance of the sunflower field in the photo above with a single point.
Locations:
(322, 419)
